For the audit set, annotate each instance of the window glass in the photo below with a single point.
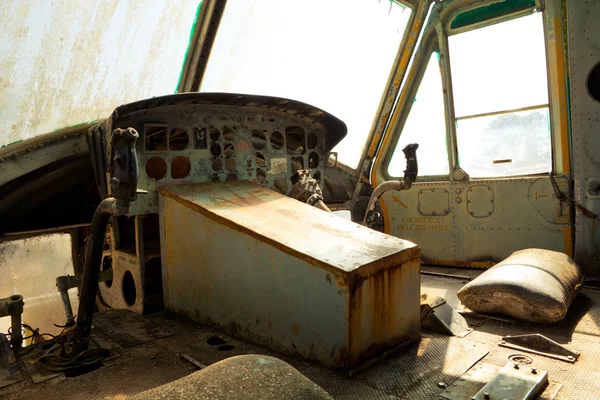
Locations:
(500, 88)
(506, 144)
(67, 62)
(499, 67)
(332, 55)
(425, 125)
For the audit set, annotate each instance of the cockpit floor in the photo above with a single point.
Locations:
(157, 349)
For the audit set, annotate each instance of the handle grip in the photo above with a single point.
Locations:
(412, 167)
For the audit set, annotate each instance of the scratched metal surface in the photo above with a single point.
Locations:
(227, 262)
(263, 213)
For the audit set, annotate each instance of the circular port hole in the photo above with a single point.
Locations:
(230, 164)
(178, 139)
(312, 140)
(259, 140)
(593, 82)
(107, 264)
(214, 134)
(259, 159)
(180, 167)
(261, 176)
(129, 292)
(217, 164)
(215, 341)
(215, 149)
(228, 149)
(227, 134)
(313, 160)
(16, 297)
(231, 177)
(156, 168)
(277, 140)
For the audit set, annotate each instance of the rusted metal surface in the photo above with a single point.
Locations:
(286, 275)
(541, 345)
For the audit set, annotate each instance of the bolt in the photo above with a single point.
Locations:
(570, 357)
(442, 384)
(533, 370)
(502, 342)
(486, 395)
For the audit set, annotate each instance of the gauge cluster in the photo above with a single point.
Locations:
(223, 137)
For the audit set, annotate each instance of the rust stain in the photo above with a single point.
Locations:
(372, 249)
(379, 307)
(296, 330)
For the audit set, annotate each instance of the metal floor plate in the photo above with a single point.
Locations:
(413, 372)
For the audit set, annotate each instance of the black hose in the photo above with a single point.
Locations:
(91, 270)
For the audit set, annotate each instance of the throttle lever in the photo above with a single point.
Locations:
(410, 176)
(412, 166)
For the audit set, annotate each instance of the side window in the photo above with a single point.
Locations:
(500, 87)
(425, 125)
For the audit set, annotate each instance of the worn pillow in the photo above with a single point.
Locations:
(533, 285)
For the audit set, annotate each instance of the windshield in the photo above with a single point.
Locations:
(332, 55)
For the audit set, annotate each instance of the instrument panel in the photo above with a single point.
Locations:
(202, 137)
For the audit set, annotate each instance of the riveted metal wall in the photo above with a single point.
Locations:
(584, 55)
(487, 220)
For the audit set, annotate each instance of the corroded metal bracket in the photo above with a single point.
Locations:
(439, 316)
(541, 345)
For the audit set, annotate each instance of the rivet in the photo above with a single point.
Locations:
(486, 395)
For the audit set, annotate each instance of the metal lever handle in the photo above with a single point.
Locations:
(412, 166)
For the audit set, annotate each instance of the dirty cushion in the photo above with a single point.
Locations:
(533, 285)
(240, 378)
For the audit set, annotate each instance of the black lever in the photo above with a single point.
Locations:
(412, 167)
(123, 170)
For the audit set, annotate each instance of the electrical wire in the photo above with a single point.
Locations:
(35, 337)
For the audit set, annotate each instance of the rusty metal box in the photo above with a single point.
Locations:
(277, 272)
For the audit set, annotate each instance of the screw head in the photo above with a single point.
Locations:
(442, 384)
(533, 370)
(570, 357)
(486, 395)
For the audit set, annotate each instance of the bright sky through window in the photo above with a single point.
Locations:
(333, 55)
